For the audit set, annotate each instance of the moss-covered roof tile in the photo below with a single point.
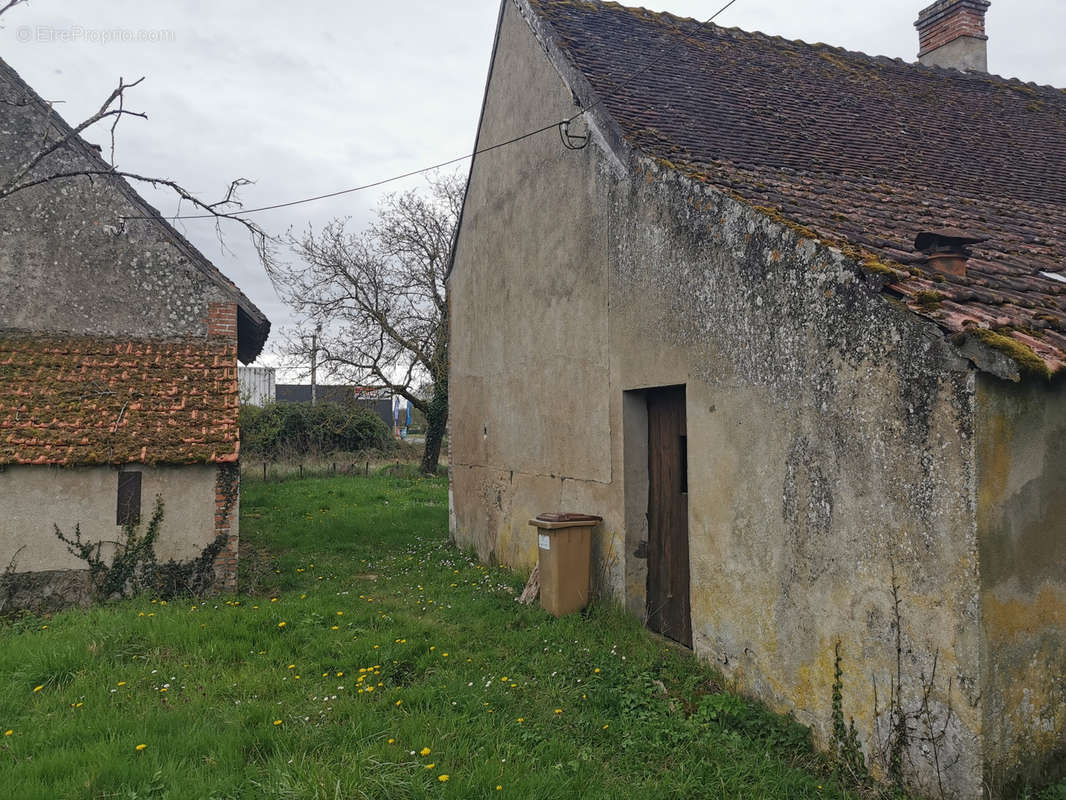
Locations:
(76, 400)
(865, 152)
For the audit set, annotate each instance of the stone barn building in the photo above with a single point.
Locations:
(119, 344)
(791, 320)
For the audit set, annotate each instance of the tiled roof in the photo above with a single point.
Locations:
(861, 151)
(83, 400)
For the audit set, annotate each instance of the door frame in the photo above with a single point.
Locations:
(635, 454)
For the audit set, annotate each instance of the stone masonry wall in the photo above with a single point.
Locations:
(122, 275)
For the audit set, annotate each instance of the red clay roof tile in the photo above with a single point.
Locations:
(69, 400)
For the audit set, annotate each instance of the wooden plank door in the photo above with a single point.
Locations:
(669, 611)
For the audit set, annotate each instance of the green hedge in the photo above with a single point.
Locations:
(293, 430)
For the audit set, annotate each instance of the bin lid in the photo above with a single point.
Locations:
(557, 519)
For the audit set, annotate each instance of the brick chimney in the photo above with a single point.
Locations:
(951, 33)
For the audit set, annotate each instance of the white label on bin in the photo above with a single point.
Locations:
(545, 541)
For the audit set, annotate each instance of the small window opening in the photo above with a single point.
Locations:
(129, 498)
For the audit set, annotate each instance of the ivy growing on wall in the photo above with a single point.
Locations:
(132, 566)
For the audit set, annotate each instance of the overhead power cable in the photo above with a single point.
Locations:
(561, 126)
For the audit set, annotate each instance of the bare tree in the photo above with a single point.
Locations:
(379, 296)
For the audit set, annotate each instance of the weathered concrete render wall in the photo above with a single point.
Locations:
(830, 434)
(1021, 519)
(35, 499)
(530, 403)
(830, 459)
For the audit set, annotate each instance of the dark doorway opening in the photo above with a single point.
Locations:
(668, 607)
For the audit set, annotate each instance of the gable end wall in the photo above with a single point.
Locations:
(77, 259)
(830, 435)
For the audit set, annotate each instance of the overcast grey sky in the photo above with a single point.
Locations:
(311, 97)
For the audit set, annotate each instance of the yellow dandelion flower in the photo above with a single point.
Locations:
(281, 624)
(38, 688)
(120, 683)
(425, 751)
(292, 666)
(442, 778)
(444, 655)
(521, 719)
(605, 727)
(399, 702)
(8, 732)
(432, 648)
(335, 627)
(340, 674)
(370, 688)
(273, 599)
(596, 670)
(499, 788)
(558, 711)
(392, 741)
(277, 722)
(44, 627)
(340, 613)
(140, 747)
(430, 766)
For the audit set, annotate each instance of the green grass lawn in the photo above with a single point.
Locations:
(373, 660)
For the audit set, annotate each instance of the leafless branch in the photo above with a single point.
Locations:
(379, 296)
(18, 180)
(35, 171)
(10, 5)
